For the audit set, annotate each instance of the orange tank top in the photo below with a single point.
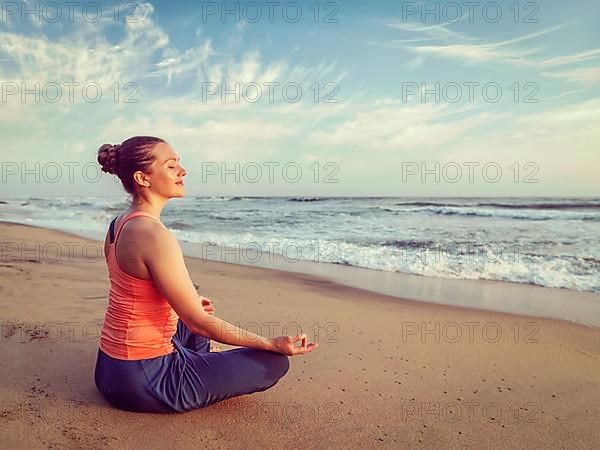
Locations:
(139, 321)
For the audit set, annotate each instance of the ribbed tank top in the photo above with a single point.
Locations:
(139, 322)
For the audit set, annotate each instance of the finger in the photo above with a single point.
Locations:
(302, 351)
(299, 337)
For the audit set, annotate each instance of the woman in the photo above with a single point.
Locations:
(154, 353)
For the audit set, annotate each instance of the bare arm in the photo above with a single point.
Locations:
(163, 257)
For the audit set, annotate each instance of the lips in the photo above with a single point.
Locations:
(180, 183)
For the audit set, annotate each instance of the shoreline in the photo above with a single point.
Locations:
(518, 299)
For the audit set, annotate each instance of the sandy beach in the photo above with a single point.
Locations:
(388, 372)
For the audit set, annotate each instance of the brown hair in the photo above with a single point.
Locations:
(127, 158)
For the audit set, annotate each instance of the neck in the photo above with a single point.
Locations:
(153, 207)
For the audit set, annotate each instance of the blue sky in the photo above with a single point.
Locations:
(372, 57)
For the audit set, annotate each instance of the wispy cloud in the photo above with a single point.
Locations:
(85, 54)
(460, 47)
(176, 63)
(585, 75)
(475, 53)
(389, 125)
(430, 32)
(143, 54)
(568, 59)
(474, 49)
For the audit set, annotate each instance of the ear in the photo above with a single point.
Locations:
(141, 179)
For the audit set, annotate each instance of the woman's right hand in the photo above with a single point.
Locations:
(285, 345)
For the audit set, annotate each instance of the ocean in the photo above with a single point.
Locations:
(550, 241)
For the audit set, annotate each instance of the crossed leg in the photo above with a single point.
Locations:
(214, 376)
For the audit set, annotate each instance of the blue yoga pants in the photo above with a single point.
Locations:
(189, 378)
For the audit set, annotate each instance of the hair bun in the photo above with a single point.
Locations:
(108, 157)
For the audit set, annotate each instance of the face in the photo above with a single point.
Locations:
(166, 172)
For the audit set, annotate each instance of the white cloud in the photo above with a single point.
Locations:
(175, 63)
(431, 32)
(387, 126)
(579, 117)
(144, 54)
(461, 47)
(222, 139)
(585, 75)
(477, 53)
(84, 55)
(568, 59)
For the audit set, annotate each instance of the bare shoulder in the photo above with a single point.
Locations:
(149, 234)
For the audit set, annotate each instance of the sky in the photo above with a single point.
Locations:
(381, 98)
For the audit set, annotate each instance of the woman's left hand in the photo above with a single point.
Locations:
(207, 305)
